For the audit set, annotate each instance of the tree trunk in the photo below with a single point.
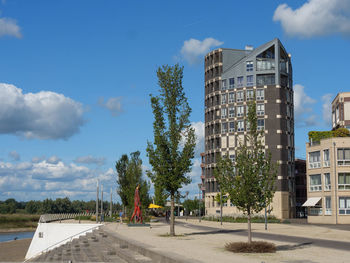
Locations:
(172, 218)
(249, 229)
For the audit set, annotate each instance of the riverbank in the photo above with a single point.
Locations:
(14, 251)
(18, 222)
(18, 229)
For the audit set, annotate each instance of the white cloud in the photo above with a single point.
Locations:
(9, 27)
(114, 105)
(199, 130)
(194, 49)
(90, 160)
(26, 181)
(303, 113)
(42, 115)
(38, 159)
(195, 175)
(327, 109)
(53, 160)
(315, 18)
(15, 156)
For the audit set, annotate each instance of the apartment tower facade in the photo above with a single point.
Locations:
(232, 79)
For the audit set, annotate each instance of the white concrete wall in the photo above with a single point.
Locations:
(55, 233)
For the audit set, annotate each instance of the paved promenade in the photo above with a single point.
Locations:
(205, 241)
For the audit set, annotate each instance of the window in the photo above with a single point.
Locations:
(344, 156)
(250, 80)
(260, 109)
(240, 126)
(232, 157)
(223, 85)
(344, 181)
(246, 110)
(260, 94)
(223, 113)
(223, 99)
(240, 82)
(344, 205)
(232, 127)
(314, 160)
(268, 79)
(261, 124)
(232, 83)
(326, 158)
(231, 97)
(224, 127)
(315, 183)
(240, 111)
(327, 182)
(250, 94)
(265, 64)
(240, 96)
(250, 66)
(328, 206)
(231, 112)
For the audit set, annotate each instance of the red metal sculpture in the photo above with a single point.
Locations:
(137, 204)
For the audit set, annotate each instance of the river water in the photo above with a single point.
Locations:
(19, 235)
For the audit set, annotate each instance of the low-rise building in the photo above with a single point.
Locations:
(328, 181)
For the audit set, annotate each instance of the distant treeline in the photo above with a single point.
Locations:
(49, 206)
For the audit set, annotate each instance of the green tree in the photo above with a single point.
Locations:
(252, 186)
(129, 176)
(160, 195)
(170, 159)
(33, 207)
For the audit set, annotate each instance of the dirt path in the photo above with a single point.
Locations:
(14, 251)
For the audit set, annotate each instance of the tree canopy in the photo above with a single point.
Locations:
(172, 151)
(250, 182)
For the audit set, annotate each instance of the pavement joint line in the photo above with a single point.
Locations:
(326, 243)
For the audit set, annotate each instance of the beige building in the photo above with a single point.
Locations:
(341, 111)
(328, 181)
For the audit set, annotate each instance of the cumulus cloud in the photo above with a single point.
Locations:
(90, 160)
(42, 115)
(195, 175)
(327, 109)
(303, 113)
(199, 130)
(53, 160)
(38, 159)
(114, 105)
(193, 49)
(9, 27)
(14, 156)
(315, 18)
(26, 181)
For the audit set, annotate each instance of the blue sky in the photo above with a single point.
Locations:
(75, 78)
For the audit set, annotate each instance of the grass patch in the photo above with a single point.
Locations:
(83, 218)
(254, 247)
(18, 221)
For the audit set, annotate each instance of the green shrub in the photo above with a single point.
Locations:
(341, 132)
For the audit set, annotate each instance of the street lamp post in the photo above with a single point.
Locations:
(199, 201)
(97, 193)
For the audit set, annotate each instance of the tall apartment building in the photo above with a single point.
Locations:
(328, 171)
(232, 79)
(341, 111)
